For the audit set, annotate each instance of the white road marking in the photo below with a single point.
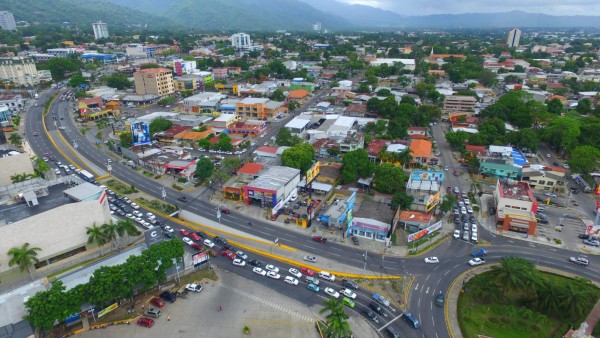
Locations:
(427, 291)
(417, 286)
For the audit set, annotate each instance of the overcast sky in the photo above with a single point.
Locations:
(424, 7)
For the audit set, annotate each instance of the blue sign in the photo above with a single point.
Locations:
(72, 318)
(83, 86)
(350, 201)
(140, 132)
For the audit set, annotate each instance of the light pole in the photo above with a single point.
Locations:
(177, 269)
(163, 193)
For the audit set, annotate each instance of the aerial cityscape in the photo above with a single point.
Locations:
(299, 168)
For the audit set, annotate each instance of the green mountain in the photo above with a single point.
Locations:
(249, 15)
(83, 13)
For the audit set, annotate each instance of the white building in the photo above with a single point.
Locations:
(7, 21)
(241, 41)
(181, 67)
(514, 35)
(340, 128)
(20, 70)
(100, 30)
(409, 64)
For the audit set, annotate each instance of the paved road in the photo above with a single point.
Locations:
(429, 279)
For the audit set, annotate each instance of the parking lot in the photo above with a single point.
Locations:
(465, 221)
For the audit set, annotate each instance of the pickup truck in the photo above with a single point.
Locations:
(381, 300)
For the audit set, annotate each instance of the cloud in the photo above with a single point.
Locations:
(425, 7)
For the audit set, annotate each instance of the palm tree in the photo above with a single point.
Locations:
(110, 232)
(513, 273)
(24, 257)
(405, 157)
(16, 140)
(337, 324)
(126, 227)
(576, 299)
(484, 288)
(96, 234)
(547, 296)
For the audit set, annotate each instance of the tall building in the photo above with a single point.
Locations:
(514, 35)
(7, 21)
(241, 41)
(317, 26)
(100, 30)
(19, 70)
(154, 81)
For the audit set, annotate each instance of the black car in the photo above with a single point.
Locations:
(220, 241)
(584, 236)
(355, 240)
(370, 314)
(574, 190)
(255, 262)
(228, 246)
(439, 299)
(377, 308)
(349, 283)
(168, 235)
(182, 199)
(392, 332)
(170, 297)
(201, 234)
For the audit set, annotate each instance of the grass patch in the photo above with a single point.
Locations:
(148, 174)
(120, 188)
(176, 187)
(155, 204)
(510, 316)
(424, 244)
(73, 267)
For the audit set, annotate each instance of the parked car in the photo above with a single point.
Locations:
(168, 296)
(319, 239)
(355, 240)
(193, 287)
(145, 322)
(157, 302)
(591, 242)
(259, 271)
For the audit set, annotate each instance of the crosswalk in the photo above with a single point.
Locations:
(269, 303)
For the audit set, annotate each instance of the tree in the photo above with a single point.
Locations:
(204, 143)
(224, 143)
(126, 140)
(96, 235)
(285, 138)
(293, 105)
(125, 227)
(584, 159)
(483, 287)
(300, 156)
(149, 65)
(563, 132)
(389, 178)
(408, 100)
(59, 67)
(118, 81)
(54, 305)
(110, 232)
(231, 163)
(204, 168)
(159, 124)
(402, 200)
(513, 273)
(337, 324)
(278, 95)
(487, 78)
(584, 106)
(25, 257)
(166, 101)
(575, 298)
(547, 296)
(77, 80)
(363, 87)
(16, 140)
(40, 167)
(448, 202)
(555, 106)
(355, 165)
(524, 138)
(457, 139)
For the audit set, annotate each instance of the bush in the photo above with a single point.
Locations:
(182, 180)
(176, 187)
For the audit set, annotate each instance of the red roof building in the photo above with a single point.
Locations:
(250, 171)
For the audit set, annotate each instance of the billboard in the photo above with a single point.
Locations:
(199, 258)
(421, 233)
(313, 172)
(433, 201)
(140, 132)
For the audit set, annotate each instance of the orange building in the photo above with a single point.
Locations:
(420, 150)
(298, 95)
(258, 108)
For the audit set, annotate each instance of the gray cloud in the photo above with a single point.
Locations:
(424, 7)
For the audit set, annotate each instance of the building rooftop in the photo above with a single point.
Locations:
(298, 94)
(84, 191)
(154, 71)
(274, 177)
(254, 100)
(297, 123)
(374, 210)
(420, 148)
(519, 191)
(251, 168)
(415, 216)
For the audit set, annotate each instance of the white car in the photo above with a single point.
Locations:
(549, 194)
(127, 200)
(130, 216)
(208, 243)
(273, 275)
(187, 241)
(467, 202)
(474, 228)
(310, 258)
(169, 229)
(474, 237)
(291, 280)
(271, 267)
(150, 215)
(239, 262)
(295, 272)
(348, 293)
(134, 205)
(57, 171)
(476, 261)
(137, 213)
(294, 197)
(332, 292)
(456, 233)
(432, 260)
(469, 209)
(139, 220)
(241, 255)
(193, 287)
(259, 271)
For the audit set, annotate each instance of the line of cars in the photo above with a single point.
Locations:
(157, 303)
(465, 221)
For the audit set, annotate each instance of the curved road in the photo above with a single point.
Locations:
(429, 279)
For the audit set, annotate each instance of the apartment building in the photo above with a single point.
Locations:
(154, 81)
(459, 104)
(514, 35)
(100, 30)
(7, 21)
(258, 108)
(19, 70)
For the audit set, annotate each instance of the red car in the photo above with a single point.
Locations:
(195, 246)
(194, 236)
(184, 232)
(307, 271)
(157, 302)
(145, 322)
(320, 239)
(225, 211)
(229, 254)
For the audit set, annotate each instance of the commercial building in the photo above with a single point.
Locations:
(241, 41)
(181, 67)
(19, 70)
(272, 187)
(202, 103)
(154, 81)
(514, 35)
(546, 178)
(14, 102)
(339, 213)
(248, 127)
(100, 30)
(7, 21)
(372, 220)
(459, 104)
(516, 206)
(408, 64)
(258, 108)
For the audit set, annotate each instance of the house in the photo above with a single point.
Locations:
(413, 221)
(259, 108)
(477, 151)
(324, 145)
(193, 136)
(546, 178)
(353, 141)
(248, 127)
(499, 168)
(417, 132)
(298, 95)
(420, 151)
(169, 134)
(358, 110)
(516, 207)
(249, 171)
(329, 173)
(374, 147)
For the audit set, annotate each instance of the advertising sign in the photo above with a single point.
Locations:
(350, 201)
(313, 172)
(421, 233)
(153, 236)
(199, 258)
(433, 201)
(140, 132)
(107, 310)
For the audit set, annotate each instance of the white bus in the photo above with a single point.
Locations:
(86, 175)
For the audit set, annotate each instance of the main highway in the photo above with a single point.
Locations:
(429, 279)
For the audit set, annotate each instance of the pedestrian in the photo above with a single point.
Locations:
(168, 318)
(142, 307)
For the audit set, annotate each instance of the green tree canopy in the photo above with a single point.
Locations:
(355, 165)
(584, 106)
(300, 156)
(118, 81)
(24, 256)
(46, 307)
(555, 106)
(159, 124)
(584, 159)
(285, 138)
(126, 140)
(389, 178)
(278, 95)
(204, 168)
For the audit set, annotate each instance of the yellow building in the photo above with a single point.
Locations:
(258, 108)
(154, 81)
(182, 84)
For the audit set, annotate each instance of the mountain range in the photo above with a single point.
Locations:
(257, 15)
